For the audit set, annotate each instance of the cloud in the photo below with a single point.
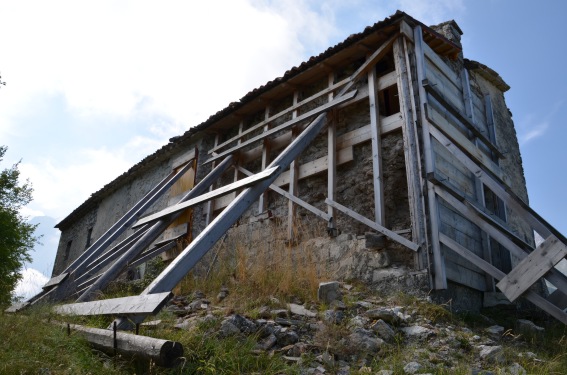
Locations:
(30, 284)
(534, 126)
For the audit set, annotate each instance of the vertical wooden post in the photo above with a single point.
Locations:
(376, 148)
(262, 202)
(211, 204)
(332, 162)
(439, 277)
(293, 178)
(411, 151)
(479, 186)
(237, 164)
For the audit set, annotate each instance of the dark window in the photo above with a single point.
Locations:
(89, 235)
(67, 250)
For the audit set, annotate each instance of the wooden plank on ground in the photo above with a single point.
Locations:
(143, 304)
(208, 196)
(377, 227)
(533, 267)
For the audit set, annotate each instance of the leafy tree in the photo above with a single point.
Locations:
(16, 234)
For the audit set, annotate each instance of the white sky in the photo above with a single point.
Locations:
(94, 86)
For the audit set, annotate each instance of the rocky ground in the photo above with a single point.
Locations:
(347, 331)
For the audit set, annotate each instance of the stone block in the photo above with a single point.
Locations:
(329, 292)
(375, 241)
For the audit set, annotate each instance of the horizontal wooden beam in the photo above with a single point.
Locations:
(143, 304)
(278, 115)
(532, 268)
(316, 166)
(285, 125)
(208, 196)
(377, 227)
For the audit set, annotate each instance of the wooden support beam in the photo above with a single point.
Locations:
(439, 279)
(532, 268)
(411, 150)
(143, 304)
(287, 124)
(498, 233)
(156, 229)
(101, 244)
(369, 64)
(262, 201)
(293, 179)
(208, 196)
(531, 296)
(210, 209)
(379, 214)
(181, 265)
(377, 227)
(331, 163)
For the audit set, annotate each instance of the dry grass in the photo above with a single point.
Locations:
(255, 266)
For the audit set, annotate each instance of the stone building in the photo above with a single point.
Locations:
(390, 154)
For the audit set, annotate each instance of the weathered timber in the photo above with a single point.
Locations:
(532, 267)
(278, 115)
(554, 276)
(451, 137)
(439, 279)
(293, 187)
(164, 353)
(293, 198)
(286, 125)
(185, 261)
(207, 196)
(531, 296)
(369, 64)
(56, 280)
(332, 160)
(315, 166)
(144, 257)
(411, 150)
(120, 265)
(377, 227)
(143, 304)
(98, 247)
(379, 212)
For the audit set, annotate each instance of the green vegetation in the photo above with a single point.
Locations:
(16, 234)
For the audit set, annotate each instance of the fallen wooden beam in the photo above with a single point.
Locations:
(164, 353)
